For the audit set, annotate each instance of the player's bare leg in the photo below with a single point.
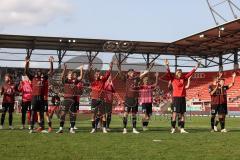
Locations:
(134, 122)
(62, 121)
(94, 118)
(109, 118)
(145, 121)
(222, 122)
(72, 121)
(39, 122)
(10, 119)
(182, 123)
(3, 118)
(125, 119)
(214, 123)
(173, 122)
(48, 121)
(104, 122)
(50, 115)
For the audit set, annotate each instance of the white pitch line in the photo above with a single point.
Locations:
(157, 140)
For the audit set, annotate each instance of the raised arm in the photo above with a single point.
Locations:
(166, 63)
(120, 73)
(212, 91)
(169, 84)
(107, 74)
(193, 71)
(156, 79)
(143, 74)
(26, 69)
(64, 71)
(146, 71)
(220, 74)
(81, 73)
(233, 80)
(188, 82)
(90, 73)
(20, 87)
(51, 60)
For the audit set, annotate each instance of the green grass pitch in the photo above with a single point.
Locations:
(157, 143)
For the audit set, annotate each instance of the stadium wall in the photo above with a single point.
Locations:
(198, 98)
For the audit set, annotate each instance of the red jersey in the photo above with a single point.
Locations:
(132, 87)
(223, 95)
(97, 86)
(178, 84)
(80, 90)
(8, 91)
(26, 88)
(38, 84)
(146, 94)
(219, 96)
(215, 96)
(70, 88)
(108, 91)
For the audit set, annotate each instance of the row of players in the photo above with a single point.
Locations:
(35, 93)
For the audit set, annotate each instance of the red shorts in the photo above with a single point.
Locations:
(53, 109)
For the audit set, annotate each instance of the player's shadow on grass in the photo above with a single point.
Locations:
(119, 130)
(151, 129)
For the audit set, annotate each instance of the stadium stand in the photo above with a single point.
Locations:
(197, 94)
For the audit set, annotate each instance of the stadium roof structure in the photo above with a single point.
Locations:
(223, 39)
(214, 42)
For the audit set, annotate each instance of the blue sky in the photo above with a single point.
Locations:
(142, 20)
(152, 20)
